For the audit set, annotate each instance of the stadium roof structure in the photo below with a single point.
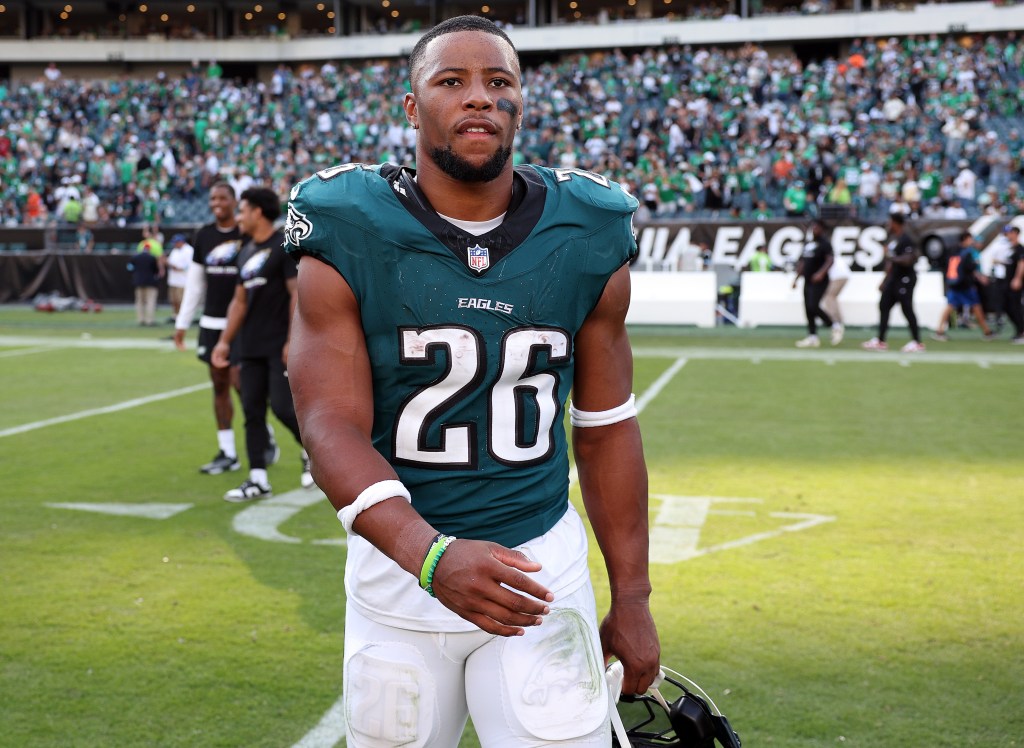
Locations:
(35, 32)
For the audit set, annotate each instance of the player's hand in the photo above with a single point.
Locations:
(179, 339)
(219, 357)
(628, 633)
(1015, 285)
(468, 581)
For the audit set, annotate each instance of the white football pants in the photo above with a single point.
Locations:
(415, 689)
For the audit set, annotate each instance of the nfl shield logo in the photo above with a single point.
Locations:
(479, 258)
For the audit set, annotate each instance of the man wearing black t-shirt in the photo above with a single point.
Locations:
(897, 287)
(258, 317)
(813, 267)
(211, 282)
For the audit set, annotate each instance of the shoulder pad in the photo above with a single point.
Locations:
(589, 188)
(333, 181)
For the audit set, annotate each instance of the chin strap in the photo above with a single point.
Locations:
(613, 675)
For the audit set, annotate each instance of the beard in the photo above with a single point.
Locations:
(459, 168)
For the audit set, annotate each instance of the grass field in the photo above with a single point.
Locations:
(837, 540)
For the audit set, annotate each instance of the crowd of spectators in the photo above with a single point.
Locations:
(924, 126)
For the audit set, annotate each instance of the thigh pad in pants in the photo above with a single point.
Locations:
(553, 678)
(390, 697)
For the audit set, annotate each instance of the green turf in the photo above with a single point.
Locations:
(895, 623)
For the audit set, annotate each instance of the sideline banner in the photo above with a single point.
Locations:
(677, 245)
(664, 245)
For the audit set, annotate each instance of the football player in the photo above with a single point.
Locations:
(443, 315)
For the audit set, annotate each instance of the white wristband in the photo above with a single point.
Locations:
(371, 495)
(586, 419)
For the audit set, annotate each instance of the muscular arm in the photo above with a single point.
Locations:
(291, 285)
(332, 387)
(613, 479)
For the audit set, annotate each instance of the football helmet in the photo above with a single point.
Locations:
(650, 720)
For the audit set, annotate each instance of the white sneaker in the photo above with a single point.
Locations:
(811, 341)
(837, 334)
(913, 347)
(248, 491)
(875, 345)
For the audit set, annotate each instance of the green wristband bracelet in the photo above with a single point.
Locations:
(437, 549)
(425, 568)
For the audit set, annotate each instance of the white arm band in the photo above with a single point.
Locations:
(195, 290)
(371, 495)
(585, 419)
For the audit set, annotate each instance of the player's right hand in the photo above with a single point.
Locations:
(179, 339)
(219, 356)
(468, 581)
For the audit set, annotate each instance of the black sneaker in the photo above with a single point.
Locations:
(220, 464)
(248, 491)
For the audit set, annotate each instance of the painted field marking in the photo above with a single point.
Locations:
(126, 405)
(262, 519)
(146, 511)
(680, 519)
(23, 352)
(759, 355)
(329, 731)
(86, 341)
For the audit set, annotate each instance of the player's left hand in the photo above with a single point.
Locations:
(481, 582)
(628, 633)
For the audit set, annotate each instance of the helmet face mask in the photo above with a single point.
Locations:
(651, 721)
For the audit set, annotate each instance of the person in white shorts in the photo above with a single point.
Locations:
(838, 274)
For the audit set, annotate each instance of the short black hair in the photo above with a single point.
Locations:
(898, 218)
(223, 184)
(451, 26)
(265, 199)
(966, 235)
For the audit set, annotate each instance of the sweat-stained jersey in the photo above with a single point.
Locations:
(470, 338)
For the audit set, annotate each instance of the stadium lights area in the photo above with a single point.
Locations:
(122, 32)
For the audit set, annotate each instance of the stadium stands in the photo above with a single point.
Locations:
(697, 132)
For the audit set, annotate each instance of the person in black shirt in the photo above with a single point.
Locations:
(212, 276)
(259, 318)
(146, 273)
(1013, 281)
(897, 287)
(813, 267)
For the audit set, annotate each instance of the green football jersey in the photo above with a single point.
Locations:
(470, 338)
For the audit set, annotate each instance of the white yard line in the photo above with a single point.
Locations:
(329, 731)
(23, 352)
(758, 355)
(85, 341)
(127, 404)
